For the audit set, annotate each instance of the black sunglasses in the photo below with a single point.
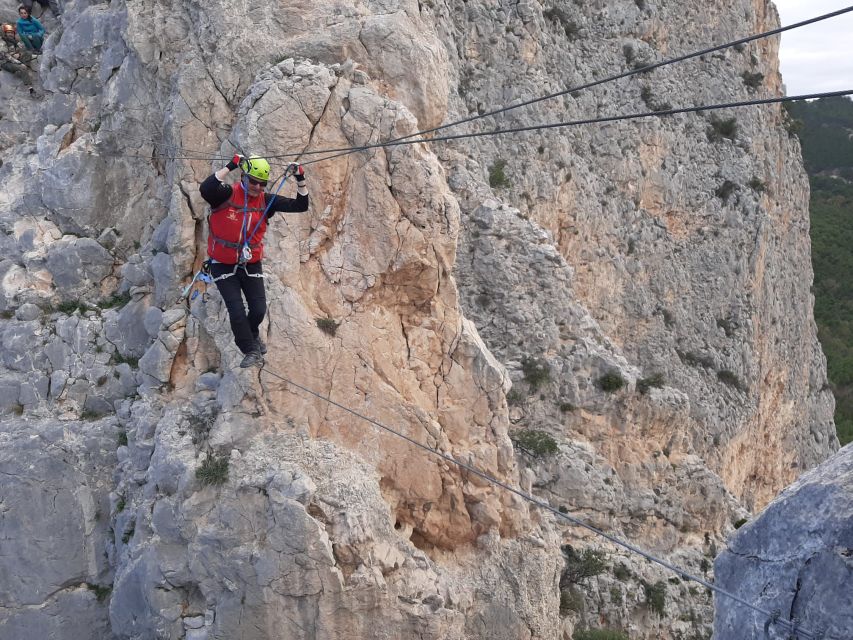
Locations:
(252, 180)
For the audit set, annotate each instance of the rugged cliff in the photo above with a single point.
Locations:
(671, 255)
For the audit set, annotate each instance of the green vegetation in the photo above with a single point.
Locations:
(611, 381)
(615, 595)
(740, 523)
(327, 325)
(571, 601)
(514, 398)
(622, 572)
(566, 407)
(117, 300)
(72, 306)
(120, 505)
(725, 190)
(580, 566)
(644, 384)
(101, 592)
(599, 634)
(655, 596)
(121, 439)
(117, 358)
(832, 259)
(752, 80)
(536, 372)
(497, 177)
(720, 129)
(559, 16)
(727, 377)
(757, 185)
(823, 127)
(213, 470)
(536, 443)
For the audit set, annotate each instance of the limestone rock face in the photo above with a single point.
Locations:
(795, 558)
(637, 292)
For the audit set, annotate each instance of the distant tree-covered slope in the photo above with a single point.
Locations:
(826, 134)
(825, 130)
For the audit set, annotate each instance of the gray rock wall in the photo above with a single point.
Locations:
(633, 249)
(796, 558)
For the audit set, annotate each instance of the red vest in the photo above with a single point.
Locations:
(225, 241)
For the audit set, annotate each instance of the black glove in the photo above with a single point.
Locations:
(235, 162)
(297, 171)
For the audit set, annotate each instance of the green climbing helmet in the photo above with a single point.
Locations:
(256, 167)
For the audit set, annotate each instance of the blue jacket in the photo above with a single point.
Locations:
(31, 27)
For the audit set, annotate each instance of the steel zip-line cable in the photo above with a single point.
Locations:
(609, 79)
(538, 127)
(602, 119)
(525, 103)
(773, 617)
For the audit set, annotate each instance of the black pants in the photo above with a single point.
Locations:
(232, 289)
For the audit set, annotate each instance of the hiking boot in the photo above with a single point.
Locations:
(262, 346)
(252, 359)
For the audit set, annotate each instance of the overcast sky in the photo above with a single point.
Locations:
(818, 57)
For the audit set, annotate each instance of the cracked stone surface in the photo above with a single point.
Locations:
(796, 557)
(605, 251)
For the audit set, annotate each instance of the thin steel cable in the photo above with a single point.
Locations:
(557, 94)
(790, 625)
(540, 127)
(619, 76)
(603, 119)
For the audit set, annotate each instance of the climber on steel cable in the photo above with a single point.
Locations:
(238, 222)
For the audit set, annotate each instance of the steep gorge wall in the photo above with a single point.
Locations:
(608, 252)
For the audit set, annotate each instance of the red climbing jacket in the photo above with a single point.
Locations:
(227, 227)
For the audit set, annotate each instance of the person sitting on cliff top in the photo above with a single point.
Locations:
(14, 59)
(235, 245)
(30, 30)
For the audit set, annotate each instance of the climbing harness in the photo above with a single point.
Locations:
(243, 248)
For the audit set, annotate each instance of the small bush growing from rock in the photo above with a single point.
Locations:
(725, 190)
(559, 16)
(655, 596)
(729, 378)
(536, 372)
(71, 307)
(611, 381)
(757, 185)
(497, 177)
(514, 398)
(213, 470)
(720, 129)
(117, 358)
(327, 325)
(615, 595)
(740, 523)
(622, 573)
(537, 443)
(644, 384)
(727, 326)
(117, 300)
(566, 407)
(695, 359)
(120, 505)
(101, 592)
(571, 601)
(121, 439)
(752, 80)
(580, 566)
